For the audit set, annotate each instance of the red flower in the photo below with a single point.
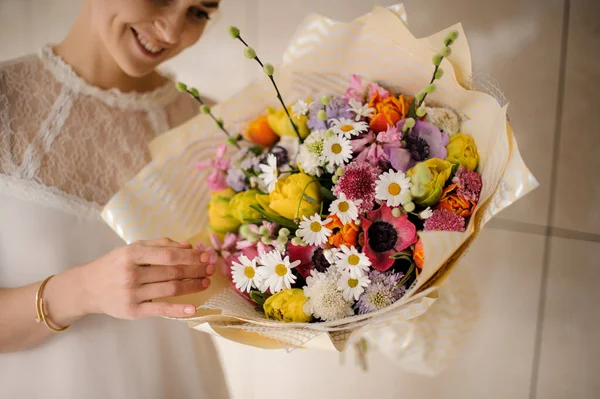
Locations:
(385, 235)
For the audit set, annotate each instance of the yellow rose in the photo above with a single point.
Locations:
(287, 199)
(462, 151)
(288, 306)
(428, 179)
(280, 123)
(240, 206)
(219, 213)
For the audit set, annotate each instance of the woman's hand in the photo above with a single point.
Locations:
(122, 283)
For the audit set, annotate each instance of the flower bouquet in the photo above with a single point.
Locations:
(341, 212)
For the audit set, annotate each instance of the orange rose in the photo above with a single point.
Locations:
(342, 234)
(259, 132)
(388, 111)
(419, 254)
(455, 204)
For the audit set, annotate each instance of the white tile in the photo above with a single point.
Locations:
(495, 362)
(570, 352)
(578, 185)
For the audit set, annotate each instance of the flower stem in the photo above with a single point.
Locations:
(302, 196)
(219, 123)
(277, 90)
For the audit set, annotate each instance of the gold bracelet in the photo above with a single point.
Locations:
(41, 313)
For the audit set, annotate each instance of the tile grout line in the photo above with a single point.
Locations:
(541, 230)
(553, 188)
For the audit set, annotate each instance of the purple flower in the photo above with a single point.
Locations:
(236, 179)
(469, 184)
(424, 142)
(336, 109)
(381, 293)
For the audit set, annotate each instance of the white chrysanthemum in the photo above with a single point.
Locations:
(426, 214)
(310, 156)
(309, 162)
(444, 118)
(300, 108)
(348, 127)
(345, 209)
(325, 300)
(360, 110)
(313, 230)
(351, 286)
(393, 188)
(337, 150)
(276, 272)
(351, 261)
(245, 274)
(270, 173)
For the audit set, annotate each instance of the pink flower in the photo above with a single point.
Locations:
(359, 183)
(375, 149)
(221, 253)
(386, 234)
(217, 180)
(444, 220)
(357, 91)
(469, 184)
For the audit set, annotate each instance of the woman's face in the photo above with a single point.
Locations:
(141, 34)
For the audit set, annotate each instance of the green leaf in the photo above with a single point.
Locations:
(258, 297)
(275, 219)
(310, 199)
(326, 193)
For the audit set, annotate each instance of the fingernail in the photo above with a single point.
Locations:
(185, 244)
(210, 270)
(206, 283)
(189, 310)
(204, 257)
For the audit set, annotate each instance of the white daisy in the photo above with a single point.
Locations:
(426, 214)
(245, 274)
(313, 230)
(337, 150)
(393, 187)
(345, 209)
(360, 110)
(352, 287)
(348, 127)
(351, 261)
(276, 272)
(270, 173)
(325, 300)
(300, 108)
(331, 255)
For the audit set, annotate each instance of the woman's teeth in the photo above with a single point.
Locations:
(148, 46)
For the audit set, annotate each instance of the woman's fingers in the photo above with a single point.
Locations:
(162, 309)
(164, 242)
(155, 274)
(169, 289)
(166, 255)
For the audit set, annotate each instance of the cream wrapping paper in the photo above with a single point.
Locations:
(169, 197)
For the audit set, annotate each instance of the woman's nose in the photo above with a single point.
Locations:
(170, 28)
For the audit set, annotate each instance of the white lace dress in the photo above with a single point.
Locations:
(65, 148)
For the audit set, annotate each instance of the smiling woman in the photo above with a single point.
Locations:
(75, 121)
